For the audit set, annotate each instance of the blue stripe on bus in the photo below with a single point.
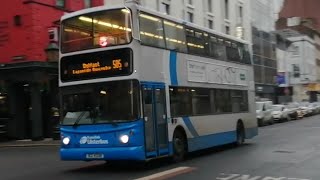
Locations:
(211, 140)
(189, 125)
(173, 68)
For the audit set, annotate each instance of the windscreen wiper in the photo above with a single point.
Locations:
(78, 119)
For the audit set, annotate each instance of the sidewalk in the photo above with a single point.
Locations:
(30, 143)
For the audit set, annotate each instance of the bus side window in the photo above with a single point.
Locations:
(175, 36)
(151, 30)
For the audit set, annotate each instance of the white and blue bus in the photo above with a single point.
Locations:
(138, 85)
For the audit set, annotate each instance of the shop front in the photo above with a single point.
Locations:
(28, 97)
(313, 91)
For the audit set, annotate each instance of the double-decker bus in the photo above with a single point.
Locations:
(138, 85)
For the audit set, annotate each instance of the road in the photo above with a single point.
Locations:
(286, 151)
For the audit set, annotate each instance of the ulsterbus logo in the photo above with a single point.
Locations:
(92, 140)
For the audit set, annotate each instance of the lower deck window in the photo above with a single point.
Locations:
(187, 101)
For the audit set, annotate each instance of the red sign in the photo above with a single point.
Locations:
(103, 41)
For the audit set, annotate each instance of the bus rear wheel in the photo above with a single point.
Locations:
(240, 134)
(179, 143)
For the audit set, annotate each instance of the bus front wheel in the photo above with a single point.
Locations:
(179, 146)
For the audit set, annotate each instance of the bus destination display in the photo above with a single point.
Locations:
(96, 65)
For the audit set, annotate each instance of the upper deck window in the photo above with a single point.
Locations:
(151, 30)
(95, 30)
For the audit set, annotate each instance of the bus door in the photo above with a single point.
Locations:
(155, 120)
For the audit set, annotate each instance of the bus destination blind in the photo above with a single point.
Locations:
(96, 65)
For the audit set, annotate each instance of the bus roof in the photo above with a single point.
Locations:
(89, 10)
(181, 21)
(152, 12)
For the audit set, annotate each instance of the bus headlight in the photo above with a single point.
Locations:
(124, 139)
(66, 140)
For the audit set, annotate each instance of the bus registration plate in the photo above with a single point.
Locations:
(94, 156)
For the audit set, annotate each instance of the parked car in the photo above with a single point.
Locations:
(264, 112)
(315, 106)
(294, 111)
(306, 109)
(280, 113)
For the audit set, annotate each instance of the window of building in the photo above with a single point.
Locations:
(227, 29)
(165, 8)
(210, 6)
(190, 16)
(269, 75)
(151, 30)
(87, 3)
(60, 3)
(296, 70)
(258, 74)
(295, 50)
(210, 23)
(257, 60)
(240, 14)
(257, 47)
(226, 9)
(267, 48)
(17, 20)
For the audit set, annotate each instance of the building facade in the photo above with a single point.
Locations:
(264, 48)
(227, 16)
(299, 23)
(297, 64)
(28, 68)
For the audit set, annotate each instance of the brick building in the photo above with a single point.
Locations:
(28, 74)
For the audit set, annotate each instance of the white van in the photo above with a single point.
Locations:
(264, 112)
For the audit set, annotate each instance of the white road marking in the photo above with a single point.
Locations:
(227, 176)
(168, 173)
(273, 178)
(224, 176)
(248, 177)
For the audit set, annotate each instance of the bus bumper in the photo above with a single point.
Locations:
(117, 153)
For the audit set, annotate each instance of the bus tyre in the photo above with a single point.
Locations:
(260, 122)
(179, 143)
(240, 134)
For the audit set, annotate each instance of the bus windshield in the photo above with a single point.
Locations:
(108, 102)
(95, 30)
